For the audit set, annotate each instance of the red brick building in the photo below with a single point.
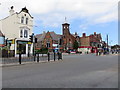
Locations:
(66, 41)
(68, 38)
(50, 40)
(90, 43)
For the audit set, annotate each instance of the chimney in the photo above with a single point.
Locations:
(84, 34)
(76, 33)
(11, 10)
(94, 33)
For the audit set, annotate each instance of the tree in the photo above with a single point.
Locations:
(115, 46)
(75, 45)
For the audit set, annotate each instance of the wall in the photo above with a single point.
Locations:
(11, 25)
(85, 41)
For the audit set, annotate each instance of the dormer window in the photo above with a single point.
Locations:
(26, 20)
(22, 19)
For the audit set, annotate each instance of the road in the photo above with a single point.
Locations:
(75, 71)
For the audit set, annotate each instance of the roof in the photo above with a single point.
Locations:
(23, 10)
(26, 11)
(40, 37)
(54, 36)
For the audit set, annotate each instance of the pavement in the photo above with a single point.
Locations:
(45, 61)
(74, 71)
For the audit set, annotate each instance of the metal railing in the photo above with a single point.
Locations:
(22, 58)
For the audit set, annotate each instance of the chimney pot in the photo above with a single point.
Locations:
(84, 34)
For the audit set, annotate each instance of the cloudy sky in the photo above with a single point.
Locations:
(87, 16)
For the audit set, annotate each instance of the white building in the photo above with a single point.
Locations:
(17, 28)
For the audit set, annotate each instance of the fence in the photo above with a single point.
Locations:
(32, 58)
(7, 53)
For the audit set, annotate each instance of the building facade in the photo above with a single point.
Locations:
(17, 28)
(49, 40)
(68, 38)
(52, 40)
(90, 44)
(2, 40)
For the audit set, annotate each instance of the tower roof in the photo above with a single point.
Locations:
(25, 10)
(65, 22)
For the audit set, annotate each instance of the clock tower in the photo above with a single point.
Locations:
(65, 28)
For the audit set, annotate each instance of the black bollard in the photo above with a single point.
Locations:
(19, 58)
(28, 54)
(35, 57)
(61, 56)
(58, 55)
(48, 56)
(38, 58)
(54, 56)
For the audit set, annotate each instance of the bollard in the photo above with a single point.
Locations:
(35, 57)
(48, 56)
(58, 55)
(54, 56)
(28, 54)
(61, 56)
(38, 58)
(19, 58)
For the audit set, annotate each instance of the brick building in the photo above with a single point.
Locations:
(90, 43)
(68, 38)
(50, 40)
(66, 41)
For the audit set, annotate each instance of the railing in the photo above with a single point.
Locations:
(32, 58)
(7, 53)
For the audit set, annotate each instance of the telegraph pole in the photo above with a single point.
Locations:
(107, 44)
(107, 40)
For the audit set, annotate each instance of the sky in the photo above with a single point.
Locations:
(84, 16)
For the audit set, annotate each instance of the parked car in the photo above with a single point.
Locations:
(72, 52)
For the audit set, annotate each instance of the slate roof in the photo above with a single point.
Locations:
(54, 36)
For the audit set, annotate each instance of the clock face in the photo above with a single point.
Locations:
(64, 26)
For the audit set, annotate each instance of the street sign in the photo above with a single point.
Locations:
(29, 43)
(22, 42)
(13, 41)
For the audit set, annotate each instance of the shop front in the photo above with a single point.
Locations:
(24, 47)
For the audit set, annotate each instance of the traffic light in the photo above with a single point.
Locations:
(35, 40)
(6, 42)
(60, 42)
(31, 38)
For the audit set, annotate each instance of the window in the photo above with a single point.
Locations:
(48, 44)
(21, 33)
(26, 20)
(22, 20)
(25, 33)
